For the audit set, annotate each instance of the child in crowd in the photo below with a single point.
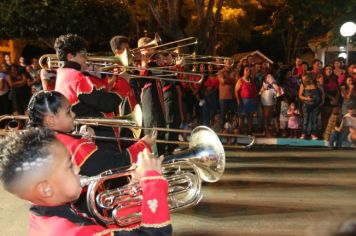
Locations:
(339, 136)
(231, 127)
(283, 116)
(293, 120)
(37, 167)
(215, 123)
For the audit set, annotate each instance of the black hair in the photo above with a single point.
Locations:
(243, 69)
(117, 41)
(41, 103)
(68, 43)
(351, 106)
(20, 152)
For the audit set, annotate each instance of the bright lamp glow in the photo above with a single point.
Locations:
(348, 29)
(343, 55)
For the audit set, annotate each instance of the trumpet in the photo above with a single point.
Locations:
(204, 160)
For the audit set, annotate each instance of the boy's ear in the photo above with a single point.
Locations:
(48, 121)
(44, 189)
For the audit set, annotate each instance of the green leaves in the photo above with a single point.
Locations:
(31, 19)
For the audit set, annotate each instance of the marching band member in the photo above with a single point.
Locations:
(122, 86)
(36, 167)
(151, 97)
(52, 110)
(173, 106)
(48, 79)
(86, 93)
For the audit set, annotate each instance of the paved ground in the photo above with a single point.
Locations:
(264, 191)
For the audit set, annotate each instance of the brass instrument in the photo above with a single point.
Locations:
(170, 46)
(132, 121)
(52, 61)
(204, 160)
(109, 63)
(155, 42)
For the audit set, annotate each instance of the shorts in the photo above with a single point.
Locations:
(249, 105)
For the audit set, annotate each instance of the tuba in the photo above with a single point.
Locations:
(204, 160)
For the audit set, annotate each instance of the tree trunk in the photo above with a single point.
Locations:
(169, 24)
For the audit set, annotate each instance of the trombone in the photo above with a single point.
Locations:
(154, 43)
(132, 121)
(111, 62)
(180, 44)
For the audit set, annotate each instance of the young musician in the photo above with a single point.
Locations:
(52, 110)
(36, 167)
(86, 93)
(122, 85)
(152, 99)
(173, 105)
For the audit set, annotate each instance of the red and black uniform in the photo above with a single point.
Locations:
(93, 160)
(50, 76)
(152, 107)
(173, 109)
(123, 89)
(64, 220)
(89, 98)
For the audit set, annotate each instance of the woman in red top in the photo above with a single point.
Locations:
(246, 97)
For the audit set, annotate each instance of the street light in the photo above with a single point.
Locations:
(347, 30)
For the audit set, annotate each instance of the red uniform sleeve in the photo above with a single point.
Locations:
(155, 211)
(136, 148)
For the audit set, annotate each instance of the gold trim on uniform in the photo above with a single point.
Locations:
(161, 225)
(152, 178)
(87, 156)
(111, 231)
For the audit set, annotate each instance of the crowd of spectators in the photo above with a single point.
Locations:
(270, 100)
(305, 101)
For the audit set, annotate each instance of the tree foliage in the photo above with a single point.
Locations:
(298, 21)
(44, 20)
(208, 20)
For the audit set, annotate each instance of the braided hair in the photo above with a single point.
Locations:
(42, 103)
(23, 156)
